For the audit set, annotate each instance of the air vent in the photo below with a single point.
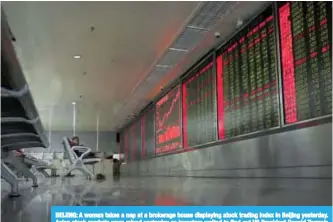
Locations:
(210, 8)
(159, 71)
(210, 14)
(155, 76)
(189, 38)
(217, 9)
(203, 22)
(171, 57)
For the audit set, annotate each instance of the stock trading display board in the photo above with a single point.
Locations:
(246, 83)
(148, 133)
(199, 106)
(167, 122)
(121, 145)
(127, 142)
(247, 79)
(135, 140)
(306, 58)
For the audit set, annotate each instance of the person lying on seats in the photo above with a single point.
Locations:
(76, 142)
(19, 153)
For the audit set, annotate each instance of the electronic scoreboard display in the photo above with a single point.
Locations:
(127, 142)
(136, 140)
(148, 133)
(121, 145)
(247, 79)
(306, 58)
(199, 106)
(167, 122)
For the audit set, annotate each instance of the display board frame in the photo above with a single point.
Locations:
(177, 84)
(320, 119)
(127, 144)
(278, 64)
(121, 145)
(277, 71)
(136, 140)
(150, 108)
(190, 73)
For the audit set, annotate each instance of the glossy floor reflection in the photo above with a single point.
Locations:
(34, 204)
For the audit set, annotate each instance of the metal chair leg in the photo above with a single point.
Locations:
(11, 178)
(44, 173)
(21, 167)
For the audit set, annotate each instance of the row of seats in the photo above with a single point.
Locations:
(79, 162)
(21, 127)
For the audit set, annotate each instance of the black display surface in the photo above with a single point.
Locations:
(306, 58)
(121, 145)
(127, 142)
(168, 124)
(136, 140)
(247, 79)
(148, 133)
(199, 106)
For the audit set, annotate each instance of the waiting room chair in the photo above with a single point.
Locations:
(79, 162)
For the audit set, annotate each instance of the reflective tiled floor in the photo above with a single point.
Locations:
(34, 204)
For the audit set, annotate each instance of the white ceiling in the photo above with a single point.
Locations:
(117, 55)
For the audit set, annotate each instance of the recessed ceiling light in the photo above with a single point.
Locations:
(73, 103)
(77, 57)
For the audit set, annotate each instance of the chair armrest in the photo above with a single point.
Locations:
(91, 161)
(83, 149)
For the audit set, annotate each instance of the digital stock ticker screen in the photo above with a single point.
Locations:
(127, 143)
(199, 106)
(247, 79)
(236, 91)
(168, 123)
(121, 145)
(135, 140)
(306, 58)
(148, 133)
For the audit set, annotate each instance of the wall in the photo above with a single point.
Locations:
(301, 153)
